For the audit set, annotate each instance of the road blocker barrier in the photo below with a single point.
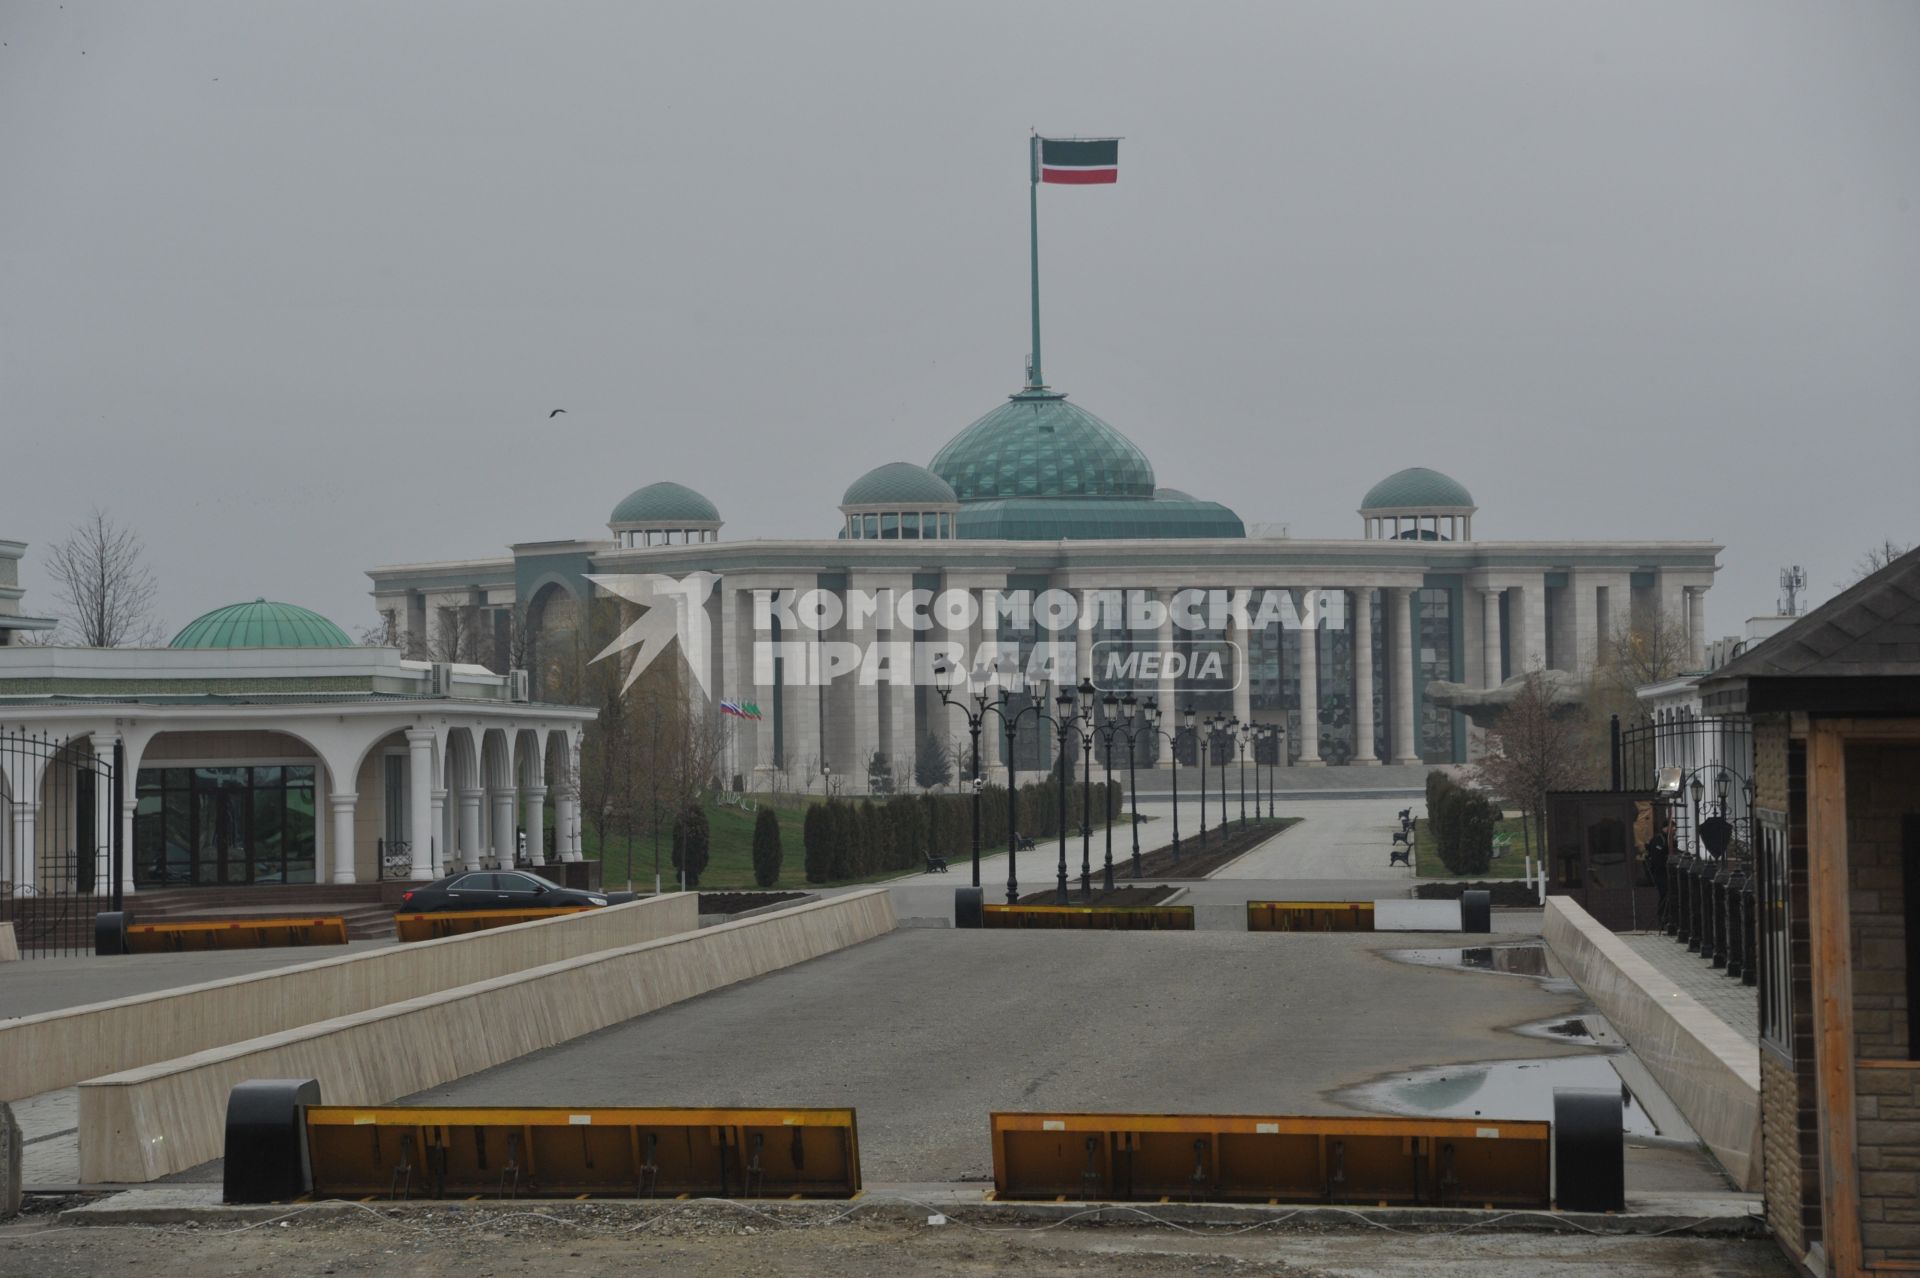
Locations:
(432, 927)
(1097, 918)
(233, 934)
(284, 1140)
(1376, 1161)
(1309, 916)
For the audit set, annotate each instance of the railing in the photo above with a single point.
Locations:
(396, 859)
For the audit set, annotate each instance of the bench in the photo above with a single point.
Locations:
(1023, 843)
(936, 864)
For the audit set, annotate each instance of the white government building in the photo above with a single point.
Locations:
(1040, 494)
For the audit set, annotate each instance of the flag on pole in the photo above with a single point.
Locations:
(1080, 161)
(740, 709)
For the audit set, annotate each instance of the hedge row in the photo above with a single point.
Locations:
(848, 840)
(1461, 823)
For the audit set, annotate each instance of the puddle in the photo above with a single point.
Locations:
(1562, 1029)
(1499, 1090)
(1528, 958)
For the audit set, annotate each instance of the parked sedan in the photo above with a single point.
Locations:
(500, 890)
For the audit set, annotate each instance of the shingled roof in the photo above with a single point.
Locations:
(1871, 630)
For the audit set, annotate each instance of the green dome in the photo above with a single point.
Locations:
(1173, 494)
(1038, 445)
(664, 503)
(261, 624)
(901, 483)
(1416, 488)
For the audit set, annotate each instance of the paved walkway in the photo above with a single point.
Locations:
(1736, 1004)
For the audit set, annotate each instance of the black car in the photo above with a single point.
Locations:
(500, 890)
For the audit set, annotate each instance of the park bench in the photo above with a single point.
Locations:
(1023, 843)
(936, 864)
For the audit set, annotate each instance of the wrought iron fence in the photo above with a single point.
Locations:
(1702, 765)
(62, 856)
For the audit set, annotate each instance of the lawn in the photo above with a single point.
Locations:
(1508, 864)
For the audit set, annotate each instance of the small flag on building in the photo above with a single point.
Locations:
(1080, 161)
(740, 709)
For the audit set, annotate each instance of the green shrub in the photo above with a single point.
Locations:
(766, 848)
(690, 840)
(842, 845)
(816, 837)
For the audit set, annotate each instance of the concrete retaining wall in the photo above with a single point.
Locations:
(9, 944)
(146, 1123)
(1710, 1071)
(58, 1049)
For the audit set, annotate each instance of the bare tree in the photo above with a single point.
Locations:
(104, 592)
(1874, 560)
(1534, 748)
(1647, 652)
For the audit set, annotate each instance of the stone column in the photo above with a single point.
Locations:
(26, 839)
(1490, 635)
(341, 853)
(735, 683)
(1169, 690)
(1242, 637)
(533, 801)
(103, 815)
(446, 848)
(471, 857)
(574, 850)
(1583, 628)
(800, 744)
(129, 805)
(503, 829)
(1406, 745)
(421, 805)
(1309, 685)
(1360, 619)
(1529, 641)
(1696, 627)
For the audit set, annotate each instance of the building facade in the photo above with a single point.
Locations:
(265, 747)
(1040, 495)
(13, 625)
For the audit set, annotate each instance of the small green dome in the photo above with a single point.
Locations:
(901, 483)
(1417, 488)
(261, 624)
(664, 503)
(1038, 445)
(1173, 494)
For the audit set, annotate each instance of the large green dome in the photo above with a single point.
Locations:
(1417, 488)
(901, 483)
(1038, 445)
(665, 502)
(261, 624)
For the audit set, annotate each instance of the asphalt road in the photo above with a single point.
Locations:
(926, 1031)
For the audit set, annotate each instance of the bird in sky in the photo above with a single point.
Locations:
(555, 413)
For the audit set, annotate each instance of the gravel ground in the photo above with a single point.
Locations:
(714, 1241)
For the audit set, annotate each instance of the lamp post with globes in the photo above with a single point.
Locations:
(977, 694)
(1200, 757)
(1065, 715)
(1244, 738)
(1119, 722)
(1014, 686)
(1089, 728)
(1151, 713)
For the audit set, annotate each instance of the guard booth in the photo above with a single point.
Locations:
(1835, 703)
(1596, 854)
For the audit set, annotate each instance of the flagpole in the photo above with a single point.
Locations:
(1034, 379)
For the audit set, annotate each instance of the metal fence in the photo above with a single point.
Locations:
(1702, 765)
(62, 856)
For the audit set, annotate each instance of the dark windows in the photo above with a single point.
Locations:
(229, 825)
(1776, 929)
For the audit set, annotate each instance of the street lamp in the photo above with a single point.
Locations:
(1201, 759)
(1244, 736)
(1015, 685)
(1087, 730)
(1063, 724)
(1152, 713)
(1128, 707)
(1108, 725)
(978, 693)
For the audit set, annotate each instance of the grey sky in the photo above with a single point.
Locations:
(292, 287)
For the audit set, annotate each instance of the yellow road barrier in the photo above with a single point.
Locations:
(435, 1152)
(431, 927)
(1102, 918)
(234, 934)
(1309, 916)
(1456, 1162)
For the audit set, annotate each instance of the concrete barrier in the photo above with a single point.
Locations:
(58, 1049)
(1709, 1070)
(9, 944)
(145, 1123)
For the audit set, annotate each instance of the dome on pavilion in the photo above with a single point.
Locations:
(1038, 445)
(261, 624)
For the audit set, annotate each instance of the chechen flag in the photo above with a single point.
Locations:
(1080, 161)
